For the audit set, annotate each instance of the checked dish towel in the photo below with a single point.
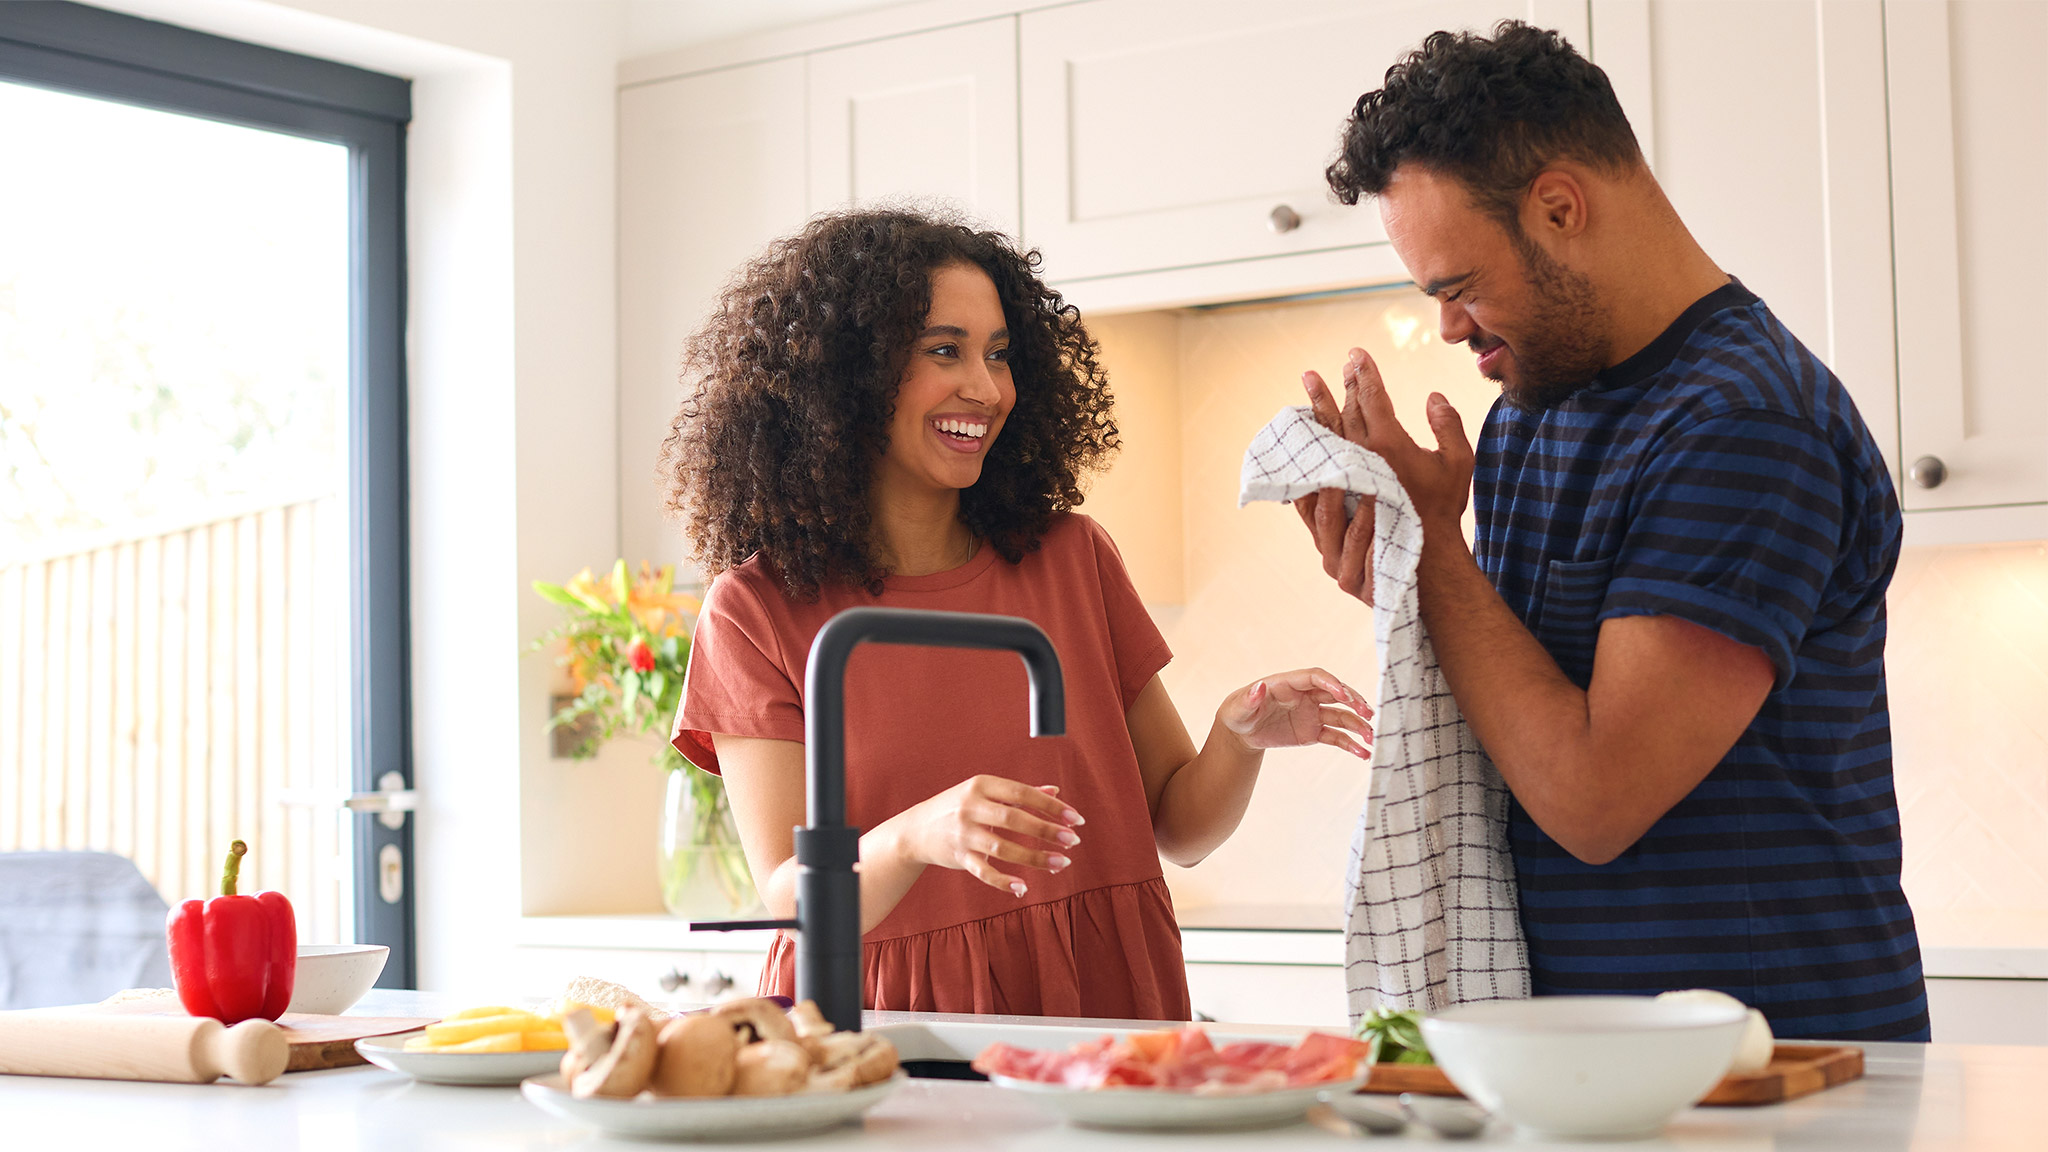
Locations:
(1433, 913)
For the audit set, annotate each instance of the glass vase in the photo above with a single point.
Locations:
(704, 873)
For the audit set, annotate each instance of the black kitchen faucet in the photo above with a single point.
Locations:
(828, 959)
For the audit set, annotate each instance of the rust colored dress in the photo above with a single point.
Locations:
(1098, 939)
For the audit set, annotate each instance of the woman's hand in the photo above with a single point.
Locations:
(985, 820)
(1306, 706)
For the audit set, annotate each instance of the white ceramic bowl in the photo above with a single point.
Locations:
(332, 977)
(1610, 1067)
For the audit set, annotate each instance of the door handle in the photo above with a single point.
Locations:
(388, 804)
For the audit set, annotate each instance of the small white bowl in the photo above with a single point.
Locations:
(332, 977)
(1574, 1067)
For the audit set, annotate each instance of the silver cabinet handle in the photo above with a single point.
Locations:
(1928, 472)
(1283, 219)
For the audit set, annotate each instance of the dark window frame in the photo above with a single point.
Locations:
(106, 55)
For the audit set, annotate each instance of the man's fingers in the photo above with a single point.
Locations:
(1354, 562)
(1330, 527)
(1450, 432)
(1320, 399)
(1374, 408)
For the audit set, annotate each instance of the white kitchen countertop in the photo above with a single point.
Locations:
(1926, 1098)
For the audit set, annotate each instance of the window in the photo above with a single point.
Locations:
(202, 249)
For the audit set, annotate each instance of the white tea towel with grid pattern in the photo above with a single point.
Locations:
(1433, 913)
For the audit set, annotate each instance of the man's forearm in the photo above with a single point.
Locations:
(1531, 719)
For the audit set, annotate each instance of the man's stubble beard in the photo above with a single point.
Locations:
(1570, 343)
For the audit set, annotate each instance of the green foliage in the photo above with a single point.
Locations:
(1395, 1036)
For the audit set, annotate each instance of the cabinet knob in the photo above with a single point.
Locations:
(1928, 472)
(1283, 219)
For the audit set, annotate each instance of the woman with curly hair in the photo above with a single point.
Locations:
(891, 409)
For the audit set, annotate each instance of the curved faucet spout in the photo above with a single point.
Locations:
(824, 682)
(828, 951)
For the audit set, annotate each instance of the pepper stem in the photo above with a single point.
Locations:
(228, 875)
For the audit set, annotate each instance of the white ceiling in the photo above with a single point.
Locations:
(660, 25)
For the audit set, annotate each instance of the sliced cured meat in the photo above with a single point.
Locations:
(1181, 1059)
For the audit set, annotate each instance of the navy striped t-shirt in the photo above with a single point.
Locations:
(1722, 476)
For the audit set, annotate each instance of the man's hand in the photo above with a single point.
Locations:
(1439, 483)
(1344, 541)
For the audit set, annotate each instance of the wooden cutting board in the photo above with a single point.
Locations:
(1795, 1070)
(317, 1041)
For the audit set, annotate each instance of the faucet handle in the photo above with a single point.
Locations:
(741, 925)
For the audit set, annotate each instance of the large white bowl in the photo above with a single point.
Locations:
(1608, 1067)
(332, 977)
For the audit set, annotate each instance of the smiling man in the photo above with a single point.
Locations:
(1669, 633)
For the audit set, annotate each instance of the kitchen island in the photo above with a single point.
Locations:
(1912, 1097)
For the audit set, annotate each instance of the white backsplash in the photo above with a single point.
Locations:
(1240, 593)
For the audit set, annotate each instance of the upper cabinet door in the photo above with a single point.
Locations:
(1969, 133)
(1173, 133)
(711, 167)
(930, 115)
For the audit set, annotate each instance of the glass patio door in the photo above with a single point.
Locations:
(202, 627)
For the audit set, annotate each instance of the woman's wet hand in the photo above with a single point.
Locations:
(986, 821)
(1305, 706)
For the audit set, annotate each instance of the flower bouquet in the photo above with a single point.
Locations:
(626, 644)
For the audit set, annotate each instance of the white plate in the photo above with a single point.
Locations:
(455, 1067)
(727, 1118)
(1165, 1109)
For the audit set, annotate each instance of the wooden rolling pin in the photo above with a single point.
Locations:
(181, 1049)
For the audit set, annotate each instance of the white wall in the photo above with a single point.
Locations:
(513, 399)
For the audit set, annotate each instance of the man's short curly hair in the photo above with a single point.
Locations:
(1489, 112)
(792, 382)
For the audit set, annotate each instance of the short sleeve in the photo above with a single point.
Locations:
(1140, 649)
(1735, 525)
(738, 683)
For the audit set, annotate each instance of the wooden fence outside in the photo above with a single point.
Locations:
(159, 697)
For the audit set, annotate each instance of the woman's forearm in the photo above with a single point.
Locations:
(1205, 798)
(886, 874)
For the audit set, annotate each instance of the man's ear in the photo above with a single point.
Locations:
(1555, 205)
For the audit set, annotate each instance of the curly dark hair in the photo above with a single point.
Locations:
(792, 382)
(1488, 112)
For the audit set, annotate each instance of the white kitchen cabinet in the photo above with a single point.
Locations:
(1764, 123)
(711, 167)
(1167, 134)
(1969, 146)
(930, 115)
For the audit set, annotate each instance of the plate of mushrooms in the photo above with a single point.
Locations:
(743, 1069)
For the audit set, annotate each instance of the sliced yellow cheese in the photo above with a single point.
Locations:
(496, 1042)
(462, 1031)
(480, 1013)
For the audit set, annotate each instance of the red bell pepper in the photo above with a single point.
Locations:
(233, 957)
